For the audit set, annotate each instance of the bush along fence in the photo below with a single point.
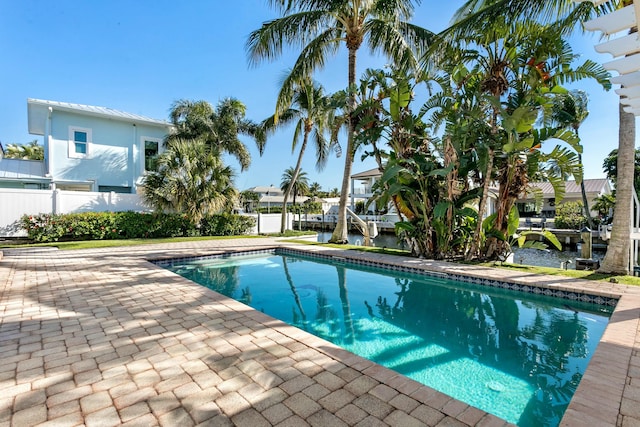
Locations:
(129, 225)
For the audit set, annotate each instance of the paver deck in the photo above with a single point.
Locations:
(103, 337)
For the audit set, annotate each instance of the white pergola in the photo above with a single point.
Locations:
(626, 51)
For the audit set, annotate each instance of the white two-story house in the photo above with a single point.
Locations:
(88, 148)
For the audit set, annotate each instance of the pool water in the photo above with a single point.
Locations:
(518, 356)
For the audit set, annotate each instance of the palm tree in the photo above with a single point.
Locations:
(319, 27)
(610, 168)
(604, 204)
(30, 151)
(516, 68)
(616, 260)
(296, 185)
(311, 112)
(218, 127)
(315, 189)
(190, 179)
(570, 110)
(477, 15)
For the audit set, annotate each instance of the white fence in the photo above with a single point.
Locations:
(269, 223)
(16, 202)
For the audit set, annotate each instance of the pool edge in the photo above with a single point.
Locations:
(600, 394)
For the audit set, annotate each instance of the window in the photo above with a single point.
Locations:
(151, 150)
(79, 140)
(114, 188)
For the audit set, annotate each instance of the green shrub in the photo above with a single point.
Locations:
(569, 215)
(226, 225)
(129, 225)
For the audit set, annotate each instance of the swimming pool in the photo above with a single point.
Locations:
(518, 356)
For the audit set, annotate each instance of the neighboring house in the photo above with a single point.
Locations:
(593, 187)
(362, 187)
(273, 196)
(88, 148)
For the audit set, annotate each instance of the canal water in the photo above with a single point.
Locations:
(540, 258)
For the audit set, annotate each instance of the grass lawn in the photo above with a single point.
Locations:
(578, 274)
(90, 244)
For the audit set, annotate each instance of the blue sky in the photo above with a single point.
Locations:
(140, 56)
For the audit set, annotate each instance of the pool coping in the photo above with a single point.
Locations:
(599, 396)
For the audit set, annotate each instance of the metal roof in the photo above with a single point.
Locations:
(22, 169)
(36, 108)
(571, 188)
(367, 174)
(263, 189)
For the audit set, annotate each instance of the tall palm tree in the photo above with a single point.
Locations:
(570, 110)
(190, 179)
(311, 112)
(319, 27)
(616, 260)
(218, 127)
(298, 186)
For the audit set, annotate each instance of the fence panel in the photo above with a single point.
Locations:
(16, 202)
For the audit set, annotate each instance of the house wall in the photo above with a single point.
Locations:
(549, 210)
(115, 156)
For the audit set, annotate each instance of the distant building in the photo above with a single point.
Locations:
(593, 187)
(86, 148)
(273, 196)
(362, 187)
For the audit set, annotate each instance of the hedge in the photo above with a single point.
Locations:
(129, 225)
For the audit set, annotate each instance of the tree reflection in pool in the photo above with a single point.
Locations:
(518, 356)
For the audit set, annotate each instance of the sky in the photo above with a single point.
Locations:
(141, 56)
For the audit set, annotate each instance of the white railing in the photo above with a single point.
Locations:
(362, 190)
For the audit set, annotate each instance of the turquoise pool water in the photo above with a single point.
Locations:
(518, 356)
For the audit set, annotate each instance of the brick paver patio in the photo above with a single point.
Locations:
(105, 338)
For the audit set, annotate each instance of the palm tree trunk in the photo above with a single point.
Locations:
(475, 244)
(283, 219)
(339, 234)
(616, 259)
